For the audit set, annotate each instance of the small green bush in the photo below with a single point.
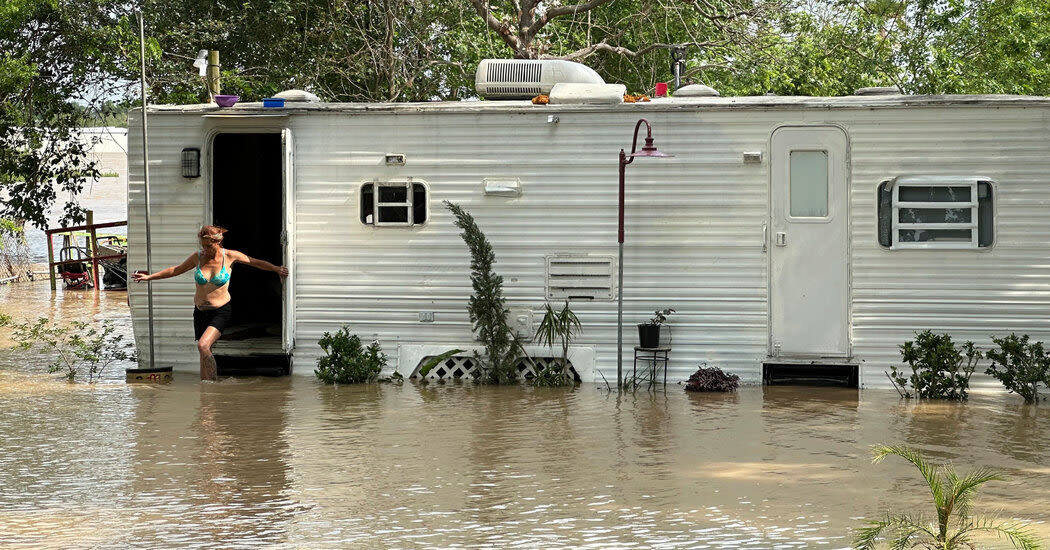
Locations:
(347, 361)
(1020, 366)
(74, 348)
(937, 367)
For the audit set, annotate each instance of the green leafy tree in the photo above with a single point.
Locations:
(487, 307)
(630, 41)
(957, 46)
(1020, 365)
(58, 62)
(342, 50)
(953, 498)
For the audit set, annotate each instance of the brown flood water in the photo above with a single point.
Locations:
(289, 463)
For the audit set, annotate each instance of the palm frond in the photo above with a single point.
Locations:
(929, 472)
(964, 490)
(866, 536)
(1018, 533)
(903, 531)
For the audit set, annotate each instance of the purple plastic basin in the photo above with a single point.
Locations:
(226, 100)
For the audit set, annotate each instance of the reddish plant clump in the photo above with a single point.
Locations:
(712, 379)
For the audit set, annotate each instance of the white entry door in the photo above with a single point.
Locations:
(809, 250)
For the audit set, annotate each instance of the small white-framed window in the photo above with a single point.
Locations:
(809, 184)
(399, 203)
(936, 212)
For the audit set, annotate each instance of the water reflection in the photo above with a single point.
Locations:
(290, 463)
(214, 453)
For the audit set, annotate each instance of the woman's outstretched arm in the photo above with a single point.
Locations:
(172, 271)
(257, 263)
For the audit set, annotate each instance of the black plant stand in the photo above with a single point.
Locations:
(654, 358)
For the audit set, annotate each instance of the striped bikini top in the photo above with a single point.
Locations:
(220, 278)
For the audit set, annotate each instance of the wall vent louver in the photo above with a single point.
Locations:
(579, 277)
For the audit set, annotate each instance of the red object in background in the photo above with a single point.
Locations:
(661, 89)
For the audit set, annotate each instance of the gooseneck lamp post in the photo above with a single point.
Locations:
(648, 150)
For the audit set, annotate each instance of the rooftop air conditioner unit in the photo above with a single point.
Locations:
(527, 78)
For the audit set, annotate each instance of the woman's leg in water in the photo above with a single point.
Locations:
(208, 369)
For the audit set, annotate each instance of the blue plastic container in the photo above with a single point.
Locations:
(273, 102)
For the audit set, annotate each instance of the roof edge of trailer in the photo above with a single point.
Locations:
(658, 104)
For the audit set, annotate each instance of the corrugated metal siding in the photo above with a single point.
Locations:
(694, 225)
(971, 294)
(176, 211)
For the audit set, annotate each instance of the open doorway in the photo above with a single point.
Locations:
(247, 190)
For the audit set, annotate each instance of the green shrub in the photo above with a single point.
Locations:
(76, 347)
(937, 368)
(1020, 366)
(346, 360)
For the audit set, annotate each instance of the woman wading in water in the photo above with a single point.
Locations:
(212, 311)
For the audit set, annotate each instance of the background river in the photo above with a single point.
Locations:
(289, 463)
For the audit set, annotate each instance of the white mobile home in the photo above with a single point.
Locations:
(784, 230)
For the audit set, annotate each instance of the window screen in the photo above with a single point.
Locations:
(394, 203)
(932, 212)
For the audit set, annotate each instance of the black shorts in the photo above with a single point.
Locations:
(219, 318)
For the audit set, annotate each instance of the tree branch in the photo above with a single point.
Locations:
(501, 28)
(620, 50)
(558, 11)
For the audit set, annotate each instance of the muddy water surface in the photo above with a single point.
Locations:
(288, 463)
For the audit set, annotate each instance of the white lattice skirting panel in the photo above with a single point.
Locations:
(463, 367)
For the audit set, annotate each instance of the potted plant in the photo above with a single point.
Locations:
(649, 331)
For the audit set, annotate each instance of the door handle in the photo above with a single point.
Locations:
(781, 238)
(765, 237)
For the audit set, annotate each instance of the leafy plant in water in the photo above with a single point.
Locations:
(953, 498)
(937, 367)
(712, 379)
(557, 327)
(346, 360)
(1021, 366)
(77, 347)
(487, 307)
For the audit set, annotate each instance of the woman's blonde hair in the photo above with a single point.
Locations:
(212, 232)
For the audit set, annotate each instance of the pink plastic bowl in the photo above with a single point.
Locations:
(226, 100)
